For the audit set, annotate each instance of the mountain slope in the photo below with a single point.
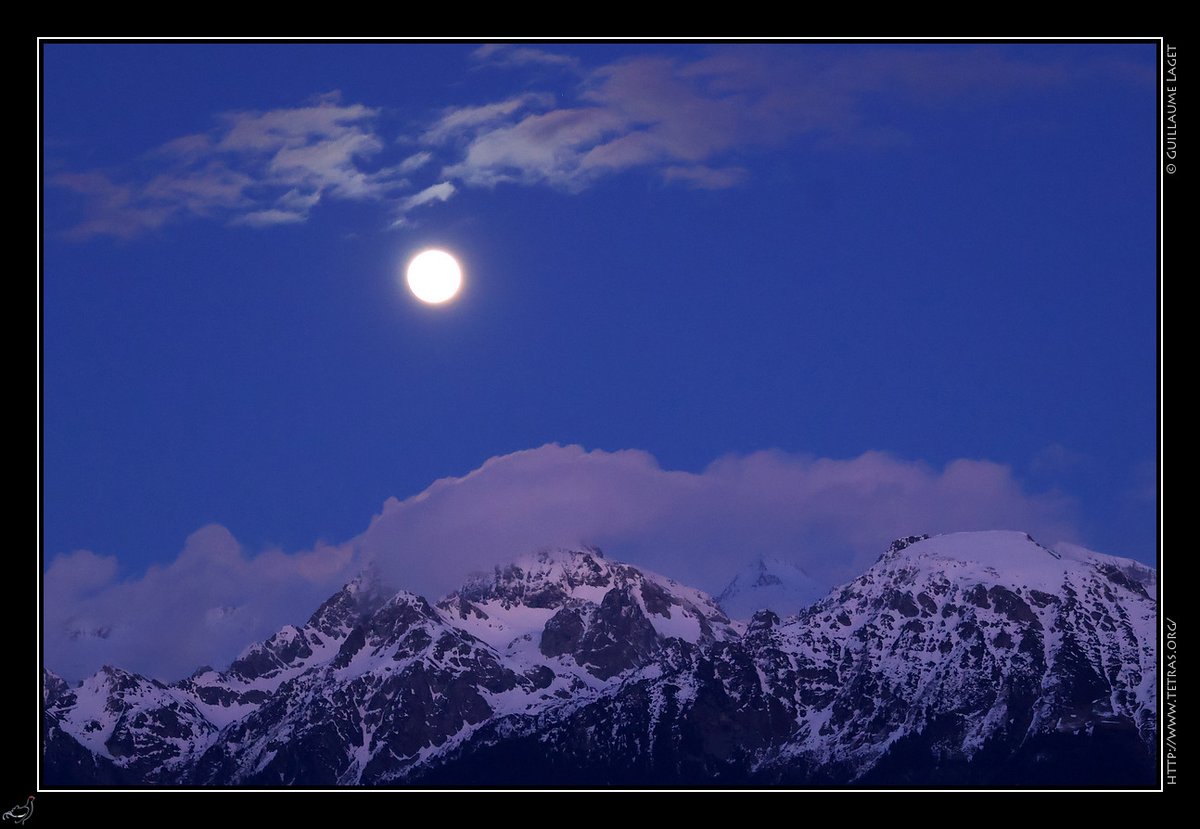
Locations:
(977, 658)
(120, 725)
(411, 681)
(262, 667)
(966, 659)
(972, 650)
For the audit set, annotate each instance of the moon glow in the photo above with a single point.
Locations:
(434, 276)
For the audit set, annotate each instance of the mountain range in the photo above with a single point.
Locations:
(971, 659)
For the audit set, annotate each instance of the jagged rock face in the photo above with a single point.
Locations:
(582, 610)
(606, 640)
(978, 658)
(403, 682)
(619, 637)
(136, 728)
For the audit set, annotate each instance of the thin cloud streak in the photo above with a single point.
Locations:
(434, 193)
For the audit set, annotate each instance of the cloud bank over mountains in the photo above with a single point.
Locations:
(831, 517)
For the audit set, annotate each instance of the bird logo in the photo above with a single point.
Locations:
(20, 814)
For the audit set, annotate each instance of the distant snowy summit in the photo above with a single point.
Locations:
(970, 659)
(768, 584)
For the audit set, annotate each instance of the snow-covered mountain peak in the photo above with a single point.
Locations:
(551, 579)
(989, 620)
(129, 721)
(768, 582)
(357, 599)
(261, 667)
(579, 606)
(547, 578)
(903, 543)
(1011, 557)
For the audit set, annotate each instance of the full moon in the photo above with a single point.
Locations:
(434, 276)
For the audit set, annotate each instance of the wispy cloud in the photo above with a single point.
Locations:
(254, 168)
(414, 162)
(113, 209)
(268, 217)
(689, 118)
(457, 121)
(542, 148)
(433, 193)
(695, 121)
(830, 516)
(504, 54)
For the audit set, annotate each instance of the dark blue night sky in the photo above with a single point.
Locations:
(943, 256)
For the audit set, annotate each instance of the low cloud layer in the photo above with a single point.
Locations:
(831, 517)
(689, 121)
